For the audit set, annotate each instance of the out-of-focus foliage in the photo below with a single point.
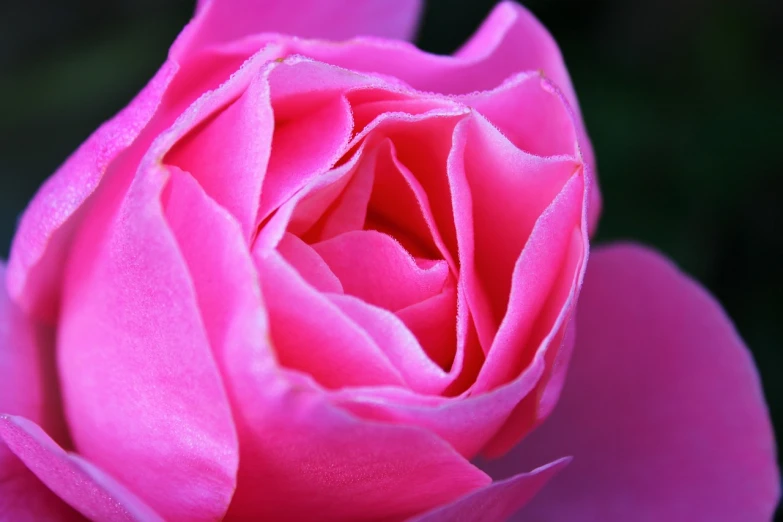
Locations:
(683, 100)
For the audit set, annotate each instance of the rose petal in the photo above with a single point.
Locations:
(309, 461)
(510, 40)
(138, 377)
(494, 216)
(310, 265)
(24, 498)
(35, 268)
(662, 407)
(313, 125)
(530, 114)
(543, 277)
(404, 351)
(433, 322)
(90, 491)
(400, 207)
(302, 458)
(377, 269)
(228, 154)
(29, 388)
(27, 368)
(224, 20)
(312, 335)
(508, 204)
(496, 502)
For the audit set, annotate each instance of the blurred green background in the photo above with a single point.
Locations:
(682, 98)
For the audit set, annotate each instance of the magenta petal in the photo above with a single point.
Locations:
(139, 380)
(397, 342)
(83, 486)
(307, 460)
(662, 407)
(497, 501)
(511, 40)
(310, 265)
(29, 389)
(313, 335)
(46, 229)
(229, 153)
(300, 455)
(27, 369)
(24, 498)
(224, 20)
(377, 269)
(530, 113)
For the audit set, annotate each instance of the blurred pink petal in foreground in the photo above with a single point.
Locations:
(662, 408)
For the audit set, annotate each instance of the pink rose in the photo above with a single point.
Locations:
(332, 277)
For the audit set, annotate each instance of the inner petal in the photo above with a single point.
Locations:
(377, 269)
(434, 323)
(399, 206)
(309, 264)
(302, 148)
(312, 335)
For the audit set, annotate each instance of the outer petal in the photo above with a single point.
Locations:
(140, 383)
(662, 408)
(47, 226)
(85, 487)
(27, 370)
(26, 389)
(224, 20)
(24, 498)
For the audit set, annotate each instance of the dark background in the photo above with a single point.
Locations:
(683, 100)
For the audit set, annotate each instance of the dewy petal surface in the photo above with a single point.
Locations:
(662, 408)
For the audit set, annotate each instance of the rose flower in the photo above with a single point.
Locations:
(314, 273)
